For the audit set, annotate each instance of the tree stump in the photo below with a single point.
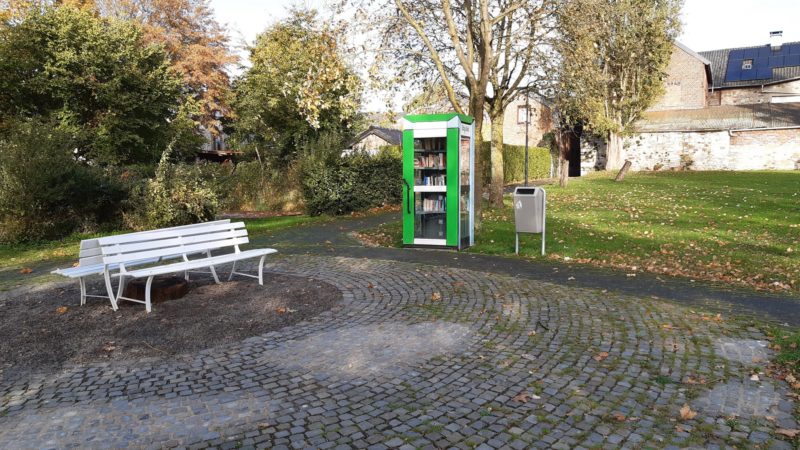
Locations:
(162, 289)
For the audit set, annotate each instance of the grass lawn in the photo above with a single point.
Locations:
(741, 228)
(42, 257)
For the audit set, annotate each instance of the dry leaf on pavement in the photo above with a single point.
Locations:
(61, 309)
(435, 297)
(600, 356)
(619, 417)
(687, 413)
(788, 432)
(522, 397)
(26, 271)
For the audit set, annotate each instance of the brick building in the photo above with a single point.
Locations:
(729, 109)
(541, 121)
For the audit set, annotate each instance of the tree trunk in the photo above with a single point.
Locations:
(563, 172)
(496, 189)
(476, 111)
(562, 143)
(615, 153)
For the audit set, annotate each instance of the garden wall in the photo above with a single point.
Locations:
(703, 150)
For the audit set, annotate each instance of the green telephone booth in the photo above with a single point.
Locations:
(438, 180)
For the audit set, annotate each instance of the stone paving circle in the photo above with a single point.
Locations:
(428, 358)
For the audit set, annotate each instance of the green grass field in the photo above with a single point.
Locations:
(41, 257)
(741, 228)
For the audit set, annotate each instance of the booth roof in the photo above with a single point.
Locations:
(416, 118)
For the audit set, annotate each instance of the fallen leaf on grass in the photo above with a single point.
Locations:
(61, 309)
(600, 356)
(26, 271)
(788, 432)
(687, 413)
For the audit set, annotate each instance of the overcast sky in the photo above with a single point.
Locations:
(708, 24)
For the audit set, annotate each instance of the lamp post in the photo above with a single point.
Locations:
(527, 121)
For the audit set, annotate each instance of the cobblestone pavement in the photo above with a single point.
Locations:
(423, 357)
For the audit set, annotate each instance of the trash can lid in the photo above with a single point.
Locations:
(525, 190)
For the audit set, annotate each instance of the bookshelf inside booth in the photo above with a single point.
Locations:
(430, 188)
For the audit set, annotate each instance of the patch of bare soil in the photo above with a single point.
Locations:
(48, 330)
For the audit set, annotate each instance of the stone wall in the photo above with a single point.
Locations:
(703, 150)
(752, 95)
(686, 84)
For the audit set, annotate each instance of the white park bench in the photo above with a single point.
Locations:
(122, 251)
(90, 261)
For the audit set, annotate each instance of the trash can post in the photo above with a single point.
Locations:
(544, 216)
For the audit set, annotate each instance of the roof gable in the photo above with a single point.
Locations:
(390, 135)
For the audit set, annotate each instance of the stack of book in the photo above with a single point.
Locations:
(434, 204)
(429, 161)
(437, 180)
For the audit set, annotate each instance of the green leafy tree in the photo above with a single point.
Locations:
(116, 96)
(297, 87)
(614, 55)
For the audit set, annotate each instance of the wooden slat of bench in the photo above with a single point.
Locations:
(91, 247)
(166, 234)
(175, 242)
(112, 257)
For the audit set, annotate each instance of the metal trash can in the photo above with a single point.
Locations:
(530, 204)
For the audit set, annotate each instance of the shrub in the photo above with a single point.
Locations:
(539, 161)
(179, 194)
(44, 192)
(391, 150)
(342, 185)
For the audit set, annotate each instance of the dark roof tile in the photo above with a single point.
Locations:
(719, 65)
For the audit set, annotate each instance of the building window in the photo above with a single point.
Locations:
(747, 64)
(522, 114)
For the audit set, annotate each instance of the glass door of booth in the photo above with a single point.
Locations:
(464, 193)
(430, 191)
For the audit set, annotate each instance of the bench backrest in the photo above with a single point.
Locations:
(126, 249)
(91, 254)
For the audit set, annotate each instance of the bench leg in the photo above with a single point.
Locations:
(233, 270)
(121, 288)
(261, 270)
(213, 271)
(83, 290)
(110, 290)
(147, 294)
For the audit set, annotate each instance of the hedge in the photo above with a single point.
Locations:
(514, 162)
(352, 183)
